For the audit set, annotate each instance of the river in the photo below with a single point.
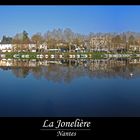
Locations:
(70, 88)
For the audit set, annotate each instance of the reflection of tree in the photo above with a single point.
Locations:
(20, 72)
(55, 73)
(72, 69)
(62, 73)
(37, 72)
(5, 68)
(131, 67)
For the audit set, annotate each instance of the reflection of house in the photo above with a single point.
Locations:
(5, 62)
(134, 61)
(27, 63)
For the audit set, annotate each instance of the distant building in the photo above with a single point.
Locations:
(134, 48)
(100, 43)
(6, 47)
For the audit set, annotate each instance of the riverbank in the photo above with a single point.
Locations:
(71, 55)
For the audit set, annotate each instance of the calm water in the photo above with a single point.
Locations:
(94, 88)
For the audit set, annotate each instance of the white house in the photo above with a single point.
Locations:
(43, 47)
(6, 47)
(32, 47)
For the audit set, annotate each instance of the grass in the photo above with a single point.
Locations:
(32, 55)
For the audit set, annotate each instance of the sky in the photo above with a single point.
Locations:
(81, 19)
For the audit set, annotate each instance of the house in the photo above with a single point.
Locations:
(100, 43)
(43, 47)
(80, 49)
(134, 48)
(6, 47)
(32, 47)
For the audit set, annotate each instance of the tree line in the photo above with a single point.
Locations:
(68, 39)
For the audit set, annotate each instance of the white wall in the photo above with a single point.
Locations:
(5, 46)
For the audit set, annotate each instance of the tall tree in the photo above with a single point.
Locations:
(37, 39)
(25, 38)
(131, 40)
(6, 40)
(69, 35)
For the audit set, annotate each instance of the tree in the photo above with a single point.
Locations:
(6, 40)
(124, 40)
(69, 36)
(37, 39)
(131, 40)
(116, 40)
(21, 38)
(17, 42)
(25, 38)
(53, 38)
(21, 41)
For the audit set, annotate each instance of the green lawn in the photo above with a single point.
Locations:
(32, 55)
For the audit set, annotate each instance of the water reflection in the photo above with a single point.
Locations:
(67, 70)
(75, 87)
